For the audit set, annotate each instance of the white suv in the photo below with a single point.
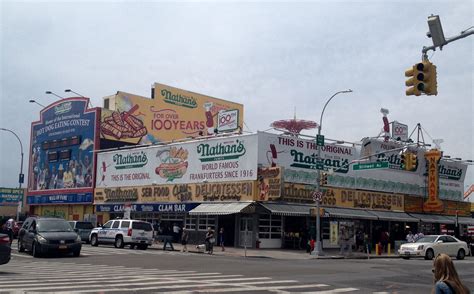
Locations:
(121, 232)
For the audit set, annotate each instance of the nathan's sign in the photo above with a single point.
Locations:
(229, 191)
(226, 159)
(299, 157)
(345, 198)
(170, 115)
(433, 203)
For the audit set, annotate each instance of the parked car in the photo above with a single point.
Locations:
(5, 249)
(121, 232)
(432, 245)
(41, 235)
(83, 229)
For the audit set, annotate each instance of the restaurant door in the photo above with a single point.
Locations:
(245, 231)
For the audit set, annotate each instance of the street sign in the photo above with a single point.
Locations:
(317, 195)
(319, 140)
(370, 165)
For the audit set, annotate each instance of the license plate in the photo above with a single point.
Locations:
(407, 252)
(62, 246)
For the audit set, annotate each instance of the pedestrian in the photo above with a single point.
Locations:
(446, 278)
(176, 230)
(410, 237)
(210, 240)
(221, 239)
(10, 224)
(167, 238)
(184, 240)
(384, 240)
(418, 236)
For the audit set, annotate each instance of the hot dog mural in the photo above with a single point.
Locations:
(172, 114)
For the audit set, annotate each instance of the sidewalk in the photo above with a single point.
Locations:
(275, 253)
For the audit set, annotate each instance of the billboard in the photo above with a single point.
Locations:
(298, 157)
(10, 196)
(61, 151)
(222, 159)
(172, 114)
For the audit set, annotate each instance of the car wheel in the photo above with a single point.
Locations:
(94, 240)
(119, 242)
(429, 254)
(461, 254)
(35, 250)
(20, 246)
(76, 253)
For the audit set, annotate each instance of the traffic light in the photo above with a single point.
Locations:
(323, 181)
(422, 79)
(431, 83)
(412, 162)
(403, 162)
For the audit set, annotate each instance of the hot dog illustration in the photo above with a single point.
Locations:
(174, 163)
(209, 118)
(123, 125)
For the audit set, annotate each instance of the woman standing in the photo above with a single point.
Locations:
(184, 240)
(446, 278)
(221, 239)
(210, 239)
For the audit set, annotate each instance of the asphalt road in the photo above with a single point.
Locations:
(107, 269)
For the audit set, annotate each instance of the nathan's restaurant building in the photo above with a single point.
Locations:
(258, 187)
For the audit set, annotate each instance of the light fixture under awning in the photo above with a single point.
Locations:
(433, 218)
(394, 216)
(288, 209)
(349, 213)
(221, 208)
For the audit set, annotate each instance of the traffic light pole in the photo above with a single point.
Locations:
(462, 35)
(318, 249)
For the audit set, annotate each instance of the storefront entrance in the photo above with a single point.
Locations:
(245, 231)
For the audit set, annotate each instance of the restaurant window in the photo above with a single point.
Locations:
(205, 221)
(269, 227)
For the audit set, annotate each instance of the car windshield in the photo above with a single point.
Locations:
(53, 226)
(427, 239)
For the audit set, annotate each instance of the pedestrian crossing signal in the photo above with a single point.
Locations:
(323, 181)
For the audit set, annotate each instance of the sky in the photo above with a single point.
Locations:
(276, 58)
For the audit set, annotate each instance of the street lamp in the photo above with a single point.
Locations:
(69, 90)
(318, 248)
(34, 101)
(51, 93)
(21, 176)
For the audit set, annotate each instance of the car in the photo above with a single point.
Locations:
(121, 232)
(83, 229)
(5, 249)
(431, 245)
(41, 235)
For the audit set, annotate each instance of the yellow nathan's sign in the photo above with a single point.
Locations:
(345, 197)
(226, 191)
(172, 114)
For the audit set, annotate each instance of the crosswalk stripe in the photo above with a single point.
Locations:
(71, 277)
(339, 290)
